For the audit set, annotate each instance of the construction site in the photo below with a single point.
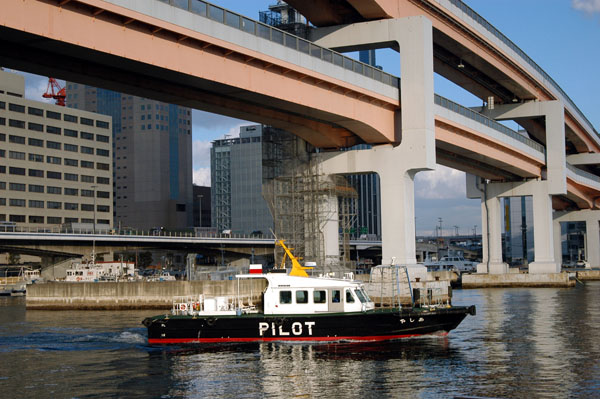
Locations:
(304, 202)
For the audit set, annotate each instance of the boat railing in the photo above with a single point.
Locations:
(430, 297)
(198, 304)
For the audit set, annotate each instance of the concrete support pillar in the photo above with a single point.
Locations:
(398, 217)
(543, 237)
(557, 238)
(592, 236)
(491, 218)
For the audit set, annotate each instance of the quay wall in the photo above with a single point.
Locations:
(588, 275)
(517, 280)
(132, 295)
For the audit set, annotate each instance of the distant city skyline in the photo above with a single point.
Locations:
(569, 55)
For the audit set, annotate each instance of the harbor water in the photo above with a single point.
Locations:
(523, 343)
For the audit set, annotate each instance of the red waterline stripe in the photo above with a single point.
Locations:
(281, 339)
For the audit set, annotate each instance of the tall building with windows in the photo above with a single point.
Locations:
(55, 162)
(237, 177)
(152, 157)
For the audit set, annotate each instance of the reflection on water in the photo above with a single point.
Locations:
(522, 343)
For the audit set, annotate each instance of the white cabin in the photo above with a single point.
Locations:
(285, 294)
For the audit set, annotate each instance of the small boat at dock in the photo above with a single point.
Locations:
(297, 307)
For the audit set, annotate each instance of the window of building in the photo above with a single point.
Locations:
(102, 180)
(87, 164)
(102, 124)
(2, 169)
(36, 157)
(103, 208)
(71, 206)
(87, 136)
(16, 155)
(16, 139)
(53, 115)
(3, 105)
(101, 152)
(53, 175)
(16, 108)
(86, 121)
(16, 123)
(87, 207)
(53, 190)
(71, 133)
(17, 202)
(102, 194)
(35, 188)
(36, 173)
(36, 204)
(103, 221)
(87, 193)
(53, 130)
(17, 218)
(87, 179)
(53, 145)
(16, 186)
(2, 121)
(54, 220)
(16, 171)
(36, 219)
(71, 147)
(71, 220)
(35, 111)
(71, 162)
(2, 185)
(54, 160)
(2, 153)
(102, 138)
(102, 166)
(2, 137)
(71, 177)
(35, 142)
(35, 127)
(87, 150)
(2, 203)
(54, 205)
(179, 207)
(71, 191)
(70, 118)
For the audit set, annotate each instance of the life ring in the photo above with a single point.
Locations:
(183, 306)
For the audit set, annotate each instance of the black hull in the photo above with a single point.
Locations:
(378, 325)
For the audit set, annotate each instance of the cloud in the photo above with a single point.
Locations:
(587, 6)
(442, 183)
(201, 153)
(202, 177)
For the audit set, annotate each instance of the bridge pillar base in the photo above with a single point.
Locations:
(544, 267)
(495, 268)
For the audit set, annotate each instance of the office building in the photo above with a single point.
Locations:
(237, 177)
(152, 157)
(55, 162)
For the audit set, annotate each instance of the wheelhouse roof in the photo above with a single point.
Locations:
(280, 280)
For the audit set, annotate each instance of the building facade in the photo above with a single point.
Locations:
(152, 157)
(55, 162)
(237, 178)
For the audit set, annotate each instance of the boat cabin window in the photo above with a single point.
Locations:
(335, 296)
(360, 296)
(285, 297)
(319, 297)
(349, 297)
(301, 296)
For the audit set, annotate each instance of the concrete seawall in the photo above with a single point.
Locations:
(131, 295)
(517, 280)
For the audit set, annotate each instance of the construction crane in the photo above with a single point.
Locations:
(56, 92)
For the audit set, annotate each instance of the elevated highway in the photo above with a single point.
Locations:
(199, 55)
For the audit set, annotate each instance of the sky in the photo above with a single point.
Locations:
(561, 36)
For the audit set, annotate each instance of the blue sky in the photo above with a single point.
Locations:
(562, 36)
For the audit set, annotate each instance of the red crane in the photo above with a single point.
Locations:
(56, 92)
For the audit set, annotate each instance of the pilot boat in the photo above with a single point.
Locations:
(297, 307)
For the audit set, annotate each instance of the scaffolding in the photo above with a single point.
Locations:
(221, 184)
(302, 200)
